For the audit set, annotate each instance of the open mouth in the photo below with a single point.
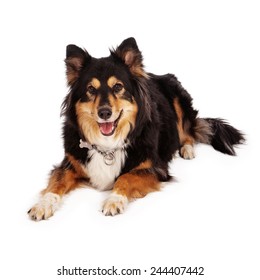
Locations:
(108, 128)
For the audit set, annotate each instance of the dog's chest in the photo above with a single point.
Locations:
(101, 174)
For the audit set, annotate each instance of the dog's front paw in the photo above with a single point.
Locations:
(45, 208)
(114, 204)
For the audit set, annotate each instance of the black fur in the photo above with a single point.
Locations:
(122, 127)
(224, 136)
(155, 135)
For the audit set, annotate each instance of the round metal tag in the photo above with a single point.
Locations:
(109, 158)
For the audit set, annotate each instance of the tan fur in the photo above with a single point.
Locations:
(112, 81)
(86, 112)
(79, 168)
(144, 165)
(127, 120)
(73, 66)
(136, 186)
(128, 116)
(184, 137)
(95, 83)
(134, 63)
(63, 181)
(133, 185)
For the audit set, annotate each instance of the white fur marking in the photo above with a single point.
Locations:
(187, 152)
(46, 207)
(102, 176)
(114, 204)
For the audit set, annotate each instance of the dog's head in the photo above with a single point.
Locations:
(108, 95)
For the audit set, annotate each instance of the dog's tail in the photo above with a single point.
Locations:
(218, 133)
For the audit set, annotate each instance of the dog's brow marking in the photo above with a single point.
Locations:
(95, 83)
(112, 81)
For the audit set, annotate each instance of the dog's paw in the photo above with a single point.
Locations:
(187, 152)
(45, 208)
(114, 204)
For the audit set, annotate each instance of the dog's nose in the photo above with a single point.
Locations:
(105, 113)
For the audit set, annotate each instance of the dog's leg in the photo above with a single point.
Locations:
(60, 183)
(187, 150)
(62, 180)
(135, 184)
(183, 127)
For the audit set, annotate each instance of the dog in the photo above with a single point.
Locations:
(122, 127)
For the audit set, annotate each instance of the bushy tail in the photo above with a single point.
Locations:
(218, 133)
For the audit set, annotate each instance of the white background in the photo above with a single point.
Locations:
(209, 217)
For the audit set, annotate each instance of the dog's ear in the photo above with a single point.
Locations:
(76, 59)
(129, 53)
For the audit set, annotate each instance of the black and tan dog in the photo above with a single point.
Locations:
(122, 127)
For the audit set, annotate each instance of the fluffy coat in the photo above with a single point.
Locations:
(122, 127)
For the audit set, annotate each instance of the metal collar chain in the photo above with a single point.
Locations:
(108, 156)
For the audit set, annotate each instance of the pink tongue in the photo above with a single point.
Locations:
(106, 128)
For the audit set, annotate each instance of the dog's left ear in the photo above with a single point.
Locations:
(130, 54)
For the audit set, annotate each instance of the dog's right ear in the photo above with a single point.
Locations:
(76, 59)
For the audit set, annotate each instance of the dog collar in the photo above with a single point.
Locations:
(108, 156)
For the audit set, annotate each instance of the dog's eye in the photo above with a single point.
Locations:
(117, 88)
(91, 90)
